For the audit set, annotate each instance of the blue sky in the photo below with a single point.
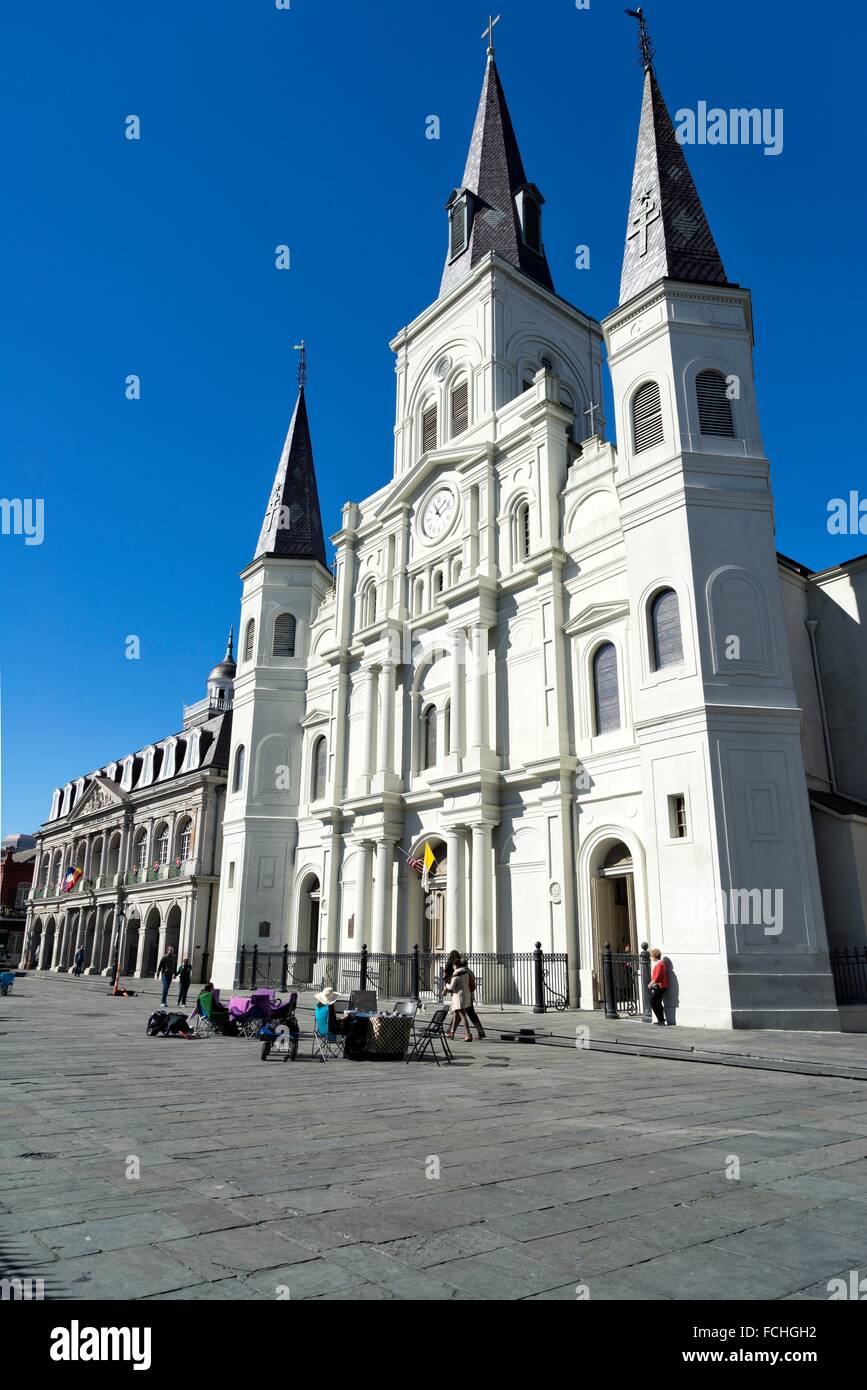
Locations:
(306, 127)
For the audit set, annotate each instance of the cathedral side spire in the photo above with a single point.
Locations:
(292, 528)
(667, 235)
(495, 209)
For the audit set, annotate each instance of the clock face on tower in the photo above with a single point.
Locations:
(439, 513)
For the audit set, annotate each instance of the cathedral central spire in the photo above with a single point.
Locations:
(292, 528)
(495, 208)
(668, 235)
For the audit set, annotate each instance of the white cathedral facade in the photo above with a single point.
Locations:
(578, 671)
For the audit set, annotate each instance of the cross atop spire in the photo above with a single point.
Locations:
(302, 364)
(667, 236)
(489, 33)
(645, 43)
(292, 528)
(491, 210)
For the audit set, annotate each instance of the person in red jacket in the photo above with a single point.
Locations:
(658, 986)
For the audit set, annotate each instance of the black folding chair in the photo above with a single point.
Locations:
(364, 1000)
(427, 1038)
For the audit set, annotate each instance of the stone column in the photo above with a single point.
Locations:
(458, 673)
(362, 893)
(369, 681)
(478, 739)
(142, 936)
(113, 942)
(483, 926)
(385, 749)
(60, 934)
(381, 924)
(456, 926)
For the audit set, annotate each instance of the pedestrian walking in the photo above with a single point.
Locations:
(470, 1016)
(166, 971)
(184, 973)
(462, 998)
(78, 961)
(658, 986)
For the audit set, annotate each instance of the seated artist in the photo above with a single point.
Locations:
(330, 1024)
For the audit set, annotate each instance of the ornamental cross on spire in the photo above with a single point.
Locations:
(302, 363)
(645, 43)
(648, 212)
(489, 32)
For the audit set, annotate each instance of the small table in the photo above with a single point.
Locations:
(387, 1037)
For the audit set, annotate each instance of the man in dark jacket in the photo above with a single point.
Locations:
(166, 971)
(184, 974)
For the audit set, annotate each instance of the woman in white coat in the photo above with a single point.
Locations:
(462, 998)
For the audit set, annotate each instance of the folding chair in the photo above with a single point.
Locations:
(364, 1000)
(328, 1047)
(426, 1038)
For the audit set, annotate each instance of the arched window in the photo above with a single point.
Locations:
(141, 849)
(319, 770)
(522, 530)
(460, 408)
(185, 839)
(666, 647)
(606, 689)
(418, 603)
(162, 846)
(250, 640)
(368, 605)
(284, 635)
(240, 760)
(447, 727)
(429, 737)
(457, 571)
(438, 583)
(647, 430)
(429, 429)
(714, 406)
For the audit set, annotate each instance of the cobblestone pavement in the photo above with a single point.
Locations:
(516, 1173)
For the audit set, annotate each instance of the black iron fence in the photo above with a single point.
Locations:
(518, 978)
(626, 980)
(849, 969)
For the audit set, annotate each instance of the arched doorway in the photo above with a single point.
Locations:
(150, 955)
(88, 939)
(34, 940)
(132, 932)
(173, 929)
(428, 915)
(307, 935)
(612, 886)
(46, 947)
(103, 950)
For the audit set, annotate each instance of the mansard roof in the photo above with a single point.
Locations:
(292, 527)
(668, 235)
(214, 742)
(494, 175)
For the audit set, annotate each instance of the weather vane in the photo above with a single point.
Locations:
(302, 363)
(489, 32)
(645, 43)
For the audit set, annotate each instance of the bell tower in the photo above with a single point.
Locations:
(733, 882)
(284, 585)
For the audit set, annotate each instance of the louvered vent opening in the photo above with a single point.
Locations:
(458, 228)
(606, 689)
(460, 408)
(429, 429)
(665, 625)
(284, 635)
(714, 406)
(532, 224)
(249, 641)
(647, 417)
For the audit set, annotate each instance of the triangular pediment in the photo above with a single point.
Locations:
(315, 716)
(101, 795)
(596, 615)
(408, 487)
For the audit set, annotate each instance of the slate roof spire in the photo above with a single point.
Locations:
(292, 527)
(667, 235)
(495, 182)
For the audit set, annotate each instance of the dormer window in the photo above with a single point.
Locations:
(529, 204)
(458, 227)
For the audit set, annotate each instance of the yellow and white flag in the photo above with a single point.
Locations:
(429, 863)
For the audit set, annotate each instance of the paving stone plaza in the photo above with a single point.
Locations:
(151, 1168)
